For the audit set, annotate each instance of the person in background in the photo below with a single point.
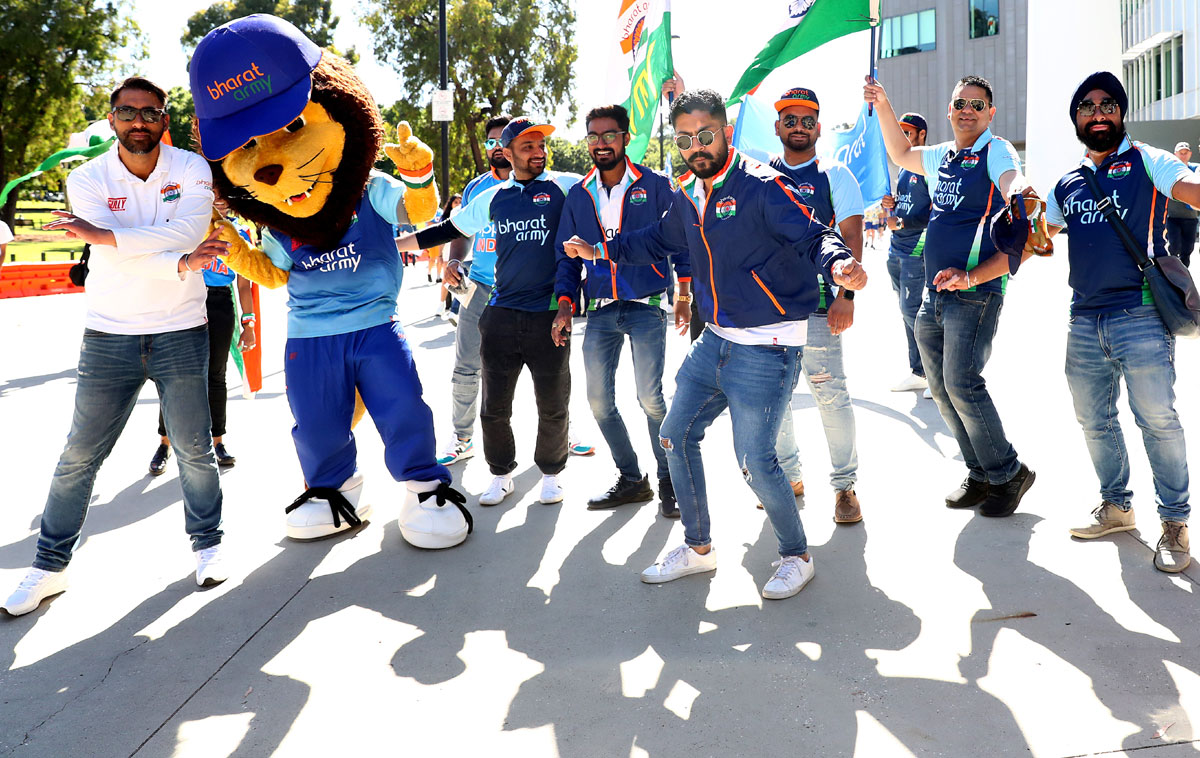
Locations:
(1181, 217)
(6, 236)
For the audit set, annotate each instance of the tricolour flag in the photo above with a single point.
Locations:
(642, 62)
(805, 26)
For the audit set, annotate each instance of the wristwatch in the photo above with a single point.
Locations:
(847, 294)
(684, 298)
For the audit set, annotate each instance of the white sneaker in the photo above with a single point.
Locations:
(910, 383)
(210, 566)
(37, 585)
(791, 574)
(680, 562)
(927, 394)
(314, 519)
(502, 487)
(457, 450)
(552, 491)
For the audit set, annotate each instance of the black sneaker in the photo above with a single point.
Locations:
(666, 498)
(158, 463)
(970, 494)
(1003, 499)
(224, 459)
(624, 491)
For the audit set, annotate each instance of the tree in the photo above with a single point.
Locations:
(572, 157)
(53, 55)
(508, 55)
(181, 111)
(313, 17)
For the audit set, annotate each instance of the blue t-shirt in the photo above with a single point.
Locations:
(216, 273)
(483, 244)
(1138, 179)
(913, 207)
(525, 217)
(349, 287)
(964, 197)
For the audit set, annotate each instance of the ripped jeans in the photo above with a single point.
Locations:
(755, 383)
(826, 375)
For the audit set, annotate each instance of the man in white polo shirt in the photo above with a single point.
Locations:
(144, 208)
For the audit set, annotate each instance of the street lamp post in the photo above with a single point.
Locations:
(444, 54)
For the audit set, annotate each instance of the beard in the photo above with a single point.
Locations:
(610, 162)
(799, 141)
(130, 141)
(1101, 142)
(716, 160)
(498, 161)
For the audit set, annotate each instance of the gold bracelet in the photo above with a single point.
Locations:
(684, 298)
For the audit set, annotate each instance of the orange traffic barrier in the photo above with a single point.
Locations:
(31, 279)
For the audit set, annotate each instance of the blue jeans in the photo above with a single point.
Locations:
(908, 280)
(464, 382)
(1132, 343)
(822, 365)
(755, 383)
(955, 332)
(607, 327)
(112, 370)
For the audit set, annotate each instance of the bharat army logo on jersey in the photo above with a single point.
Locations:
(637, 196)
(541, 198)
(1119, 170)
(726, 208)
(807, 190)
(170, 192)
(970, 161)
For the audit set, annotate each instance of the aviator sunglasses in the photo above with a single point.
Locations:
(808, 123)
(129, 113)
(705, 138)
(976, 104)
(1107, 106)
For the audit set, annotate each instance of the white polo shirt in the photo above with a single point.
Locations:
(135, 287)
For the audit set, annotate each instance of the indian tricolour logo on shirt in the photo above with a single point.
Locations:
(807, 190)
(726, 208)
(637, 196)
(170, 192)
(1119, 170)
(971, 160)
(541, 198)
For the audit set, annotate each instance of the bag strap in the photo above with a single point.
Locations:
(1105, 206)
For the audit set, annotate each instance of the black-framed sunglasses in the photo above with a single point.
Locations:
(705, 138)
(807, 123)
(976, 104)
(607, 137)
(1107, 106)
(129, 113)
(491, 145)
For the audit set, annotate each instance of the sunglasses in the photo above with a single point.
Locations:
(608, 138)
(491, 145)
(1107, 106)
(808, 123)
(976, 104)
(129, 113)
(705, 138)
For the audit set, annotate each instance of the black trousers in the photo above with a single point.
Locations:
(1181, 238)
(220, 337)
(509, 341)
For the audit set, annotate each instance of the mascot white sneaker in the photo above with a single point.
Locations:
(323, 512)
(434, 516)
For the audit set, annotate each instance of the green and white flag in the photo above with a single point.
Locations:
(805, 25)
(642, 62)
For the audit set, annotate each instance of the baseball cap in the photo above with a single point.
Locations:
(249, 77)
(1181, 146)
(915, 120)
(798, 96)
(1009, 234)
(519, 126)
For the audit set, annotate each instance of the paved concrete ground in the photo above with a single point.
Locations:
(926, 632)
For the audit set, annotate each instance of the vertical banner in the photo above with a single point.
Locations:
(862, 151)
(641, 63)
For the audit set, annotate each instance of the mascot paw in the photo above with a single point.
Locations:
(409, 153)
(324, 511)
(436, 518)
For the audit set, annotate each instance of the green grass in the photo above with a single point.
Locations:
(33, 252)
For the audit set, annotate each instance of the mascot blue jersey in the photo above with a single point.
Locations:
(349, 287)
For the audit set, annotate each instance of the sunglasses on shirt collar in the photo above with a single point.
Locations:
(1107, 106)
(976, 104)
(129, 113)
(807, 123)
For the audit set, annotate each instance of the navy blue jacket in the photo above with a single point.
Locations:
(756, 251)
(647, 199)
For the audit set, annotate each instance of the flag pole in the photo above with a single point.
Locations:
(871, 70)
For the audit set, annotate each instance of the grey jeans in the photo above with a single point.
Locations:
(464, 383)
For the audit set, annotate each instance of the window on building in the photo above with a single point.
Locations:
(910, 33)
(1156, 74)
(1178, 66)
(985, 18)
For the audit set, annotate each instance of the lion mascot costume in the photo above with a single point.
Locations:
(292, 134)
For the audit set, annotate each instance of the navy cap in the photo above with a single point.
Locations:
(798, 96)
(915, 120)
(1102, 80)
(249, 77)
(521, 125)
(1009, 234)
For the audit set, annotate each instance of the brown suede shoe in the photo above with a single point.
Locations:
(1173, 553)
(845, 508)
(797, 490)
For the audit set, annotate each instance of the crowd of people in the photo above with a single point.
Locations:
(759, 261)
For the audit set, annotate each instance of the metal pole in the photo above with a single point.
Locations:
(445, 55)
(662, 156)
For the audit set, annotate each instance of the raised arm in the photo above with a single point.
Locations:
(899, 150)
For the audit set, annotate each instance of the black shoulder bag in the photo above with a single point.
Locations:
(79, 271)
(1170, 282)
